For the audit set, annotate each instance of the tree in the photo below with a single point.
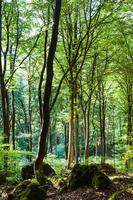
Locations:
(48, 86)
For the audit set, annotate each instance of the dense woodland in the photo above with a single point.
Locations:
(66, 91)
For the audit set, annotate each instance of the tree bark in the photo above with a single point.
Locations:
(102, 121)
(71, 130)
(130, 113)
(30, 113)
(66, 129)
(48, 87)
(4, 94)
(13, 121)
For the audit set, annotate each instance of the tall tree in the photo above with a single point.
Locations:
(48, 86)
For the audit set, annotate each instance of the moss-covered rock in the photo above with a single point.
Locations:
(27, 171)
(32, 192)
(100, 181)
(2, 178)
(28, 190)
(87, 175)
(48, 170)
(106, 168)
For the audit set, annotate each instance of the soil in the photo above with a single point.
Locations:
(88, 193)
(83, 193)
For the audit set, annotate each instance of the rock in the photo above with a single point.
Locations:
(28, 190)
(100, 181)
(48, 170)
(32, 192)
(87, 175)
(2, 178)
(27, 171)
(81, 175)
(106, 168)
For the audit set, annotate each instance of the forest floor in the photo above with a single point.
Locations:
(119, 181)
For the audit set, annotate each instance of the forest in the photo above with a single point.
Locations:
(66, 99)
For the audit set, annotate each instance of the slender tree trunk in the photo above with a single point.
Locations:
(113, 129)
(102, 122)
(50, 140)
(30, 114)
(13, 121)
(76, 123)
(4, 99)
(66, 129)
(4, 96)
(130, 112)
(71, 130)
(48, 87)
(41, 78)
(76, 137)
(87, 132)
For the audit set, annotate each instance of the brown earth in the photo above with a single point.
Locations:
(83, 193)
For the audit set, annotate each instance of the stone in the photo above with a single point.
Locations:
(27, 171)
(28, 190)
(100, 181)
(87, 175)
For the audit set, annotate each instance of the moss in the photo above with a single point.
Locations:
(29, 190)
(106, 168)
(22, 185)
(87, 175)
(119, 192)
(32, 192)
(2, 177)
(100, 181)
(27, 171)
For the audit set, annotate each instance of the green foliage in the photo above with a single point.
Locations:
(16, 159)
(85, 31)
(57, 164)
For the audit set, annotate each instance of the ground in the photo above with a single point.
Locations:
(119, 181)
(86, 193)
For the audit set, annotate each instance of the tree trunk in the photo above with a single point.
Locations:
(130, 112)
(30, 116)
(66, 129)
(71, 130)
(87, 132)
(48, 87)
(13, 121)
(76, 137)
(4, 99)
(102, 121)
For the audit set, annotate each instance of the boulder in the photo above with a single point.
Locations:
(106, 168)
(100, 181)
(2, 178)
(48, 170)
(27, 171)
(87, 175)
(28, 190)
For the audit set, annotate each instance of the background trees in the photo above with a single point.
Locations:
(88, 101)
